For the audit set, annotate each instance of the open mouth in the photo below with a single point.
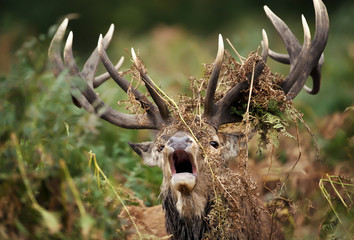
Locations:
(182, 162)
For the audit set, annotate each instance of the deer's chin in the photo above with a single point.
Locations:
(184, 182)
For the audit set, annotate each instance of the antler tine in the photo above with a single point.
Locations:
(315, 73)
(91, 63)
(314, 59)
(55, 59)
(297, 74)
(223, 114)
(90, 68)
(99, 107)
(209, 105)
(105, 76)
(282, 58)
(74, 70)
(150, 108)
(319, 43)
(219, 113)
(265, 46)
(316, 78)
(119, 79)
(288, 38)
(84, 93)
(154, 92)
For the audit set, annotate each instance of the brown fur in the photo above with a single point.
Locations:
(223, 203)
(149, 220)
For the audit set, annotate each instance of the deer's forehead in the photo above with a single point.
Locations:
(202, 135)
(177, 133)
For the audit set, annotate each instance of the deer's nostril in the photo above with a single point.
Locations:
(179, 143)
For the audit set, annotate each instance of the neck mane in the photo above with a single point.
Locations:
(183, 227)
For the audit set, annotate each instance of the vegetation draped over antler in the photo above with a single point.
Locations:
(304, 60)
(221, 106)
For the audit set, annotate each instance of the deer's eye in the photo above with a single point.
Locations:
(160, 148)
(214, 144)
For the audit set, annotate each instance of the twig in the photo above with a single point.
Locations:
(222, 185)
(21, 167)
(93, 159)
(72, 187)
(238, 55)
(335, 189)
(248, 107)
(269, 167)
(297, 160)
(328, 198)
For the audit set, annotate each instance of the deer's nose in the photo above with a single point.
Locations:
(179, 143)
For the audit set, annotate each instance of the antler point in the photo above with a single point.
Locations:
(307, 33)
(69, 42)
(111, 30)
(135, 59)
(99, 44)
(220, 53)
(266, 8)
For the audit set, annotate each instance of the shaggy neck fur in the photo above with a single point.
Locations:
(246, 217)
(191, 228)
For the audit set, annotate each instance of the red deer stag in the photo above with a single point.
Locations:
(194, 155)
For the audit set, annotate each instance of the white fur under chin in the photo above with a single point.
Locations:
(183, 182)
(190, 205)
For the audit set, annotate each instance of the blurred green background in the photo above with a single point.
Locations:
(178, 36)
(174, 39)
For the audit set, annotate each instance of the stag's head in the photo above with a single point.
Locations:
(183, 153)
(181, 148)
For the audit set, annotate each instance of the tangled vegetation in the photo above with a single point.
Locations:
(269, 114)
(48, 190)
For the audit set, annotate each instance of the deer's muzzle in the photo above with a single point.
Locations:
(181, 156)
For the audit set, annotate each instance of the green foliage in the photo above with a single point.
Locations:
(332, 229)
(46, 129)
(343, 140)
(270, 121)
(338, 222)
(38, 110)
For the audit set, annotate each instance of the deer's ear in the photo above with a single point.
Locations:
(233, 142)
(145, 151)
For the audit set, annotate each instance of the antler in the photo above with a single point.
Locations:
(210, 108)
(84, 94)
(304, 60)
(154, 92)
(219, 113)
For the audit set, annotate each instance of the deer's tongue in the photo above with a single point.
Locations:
(183, 182)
